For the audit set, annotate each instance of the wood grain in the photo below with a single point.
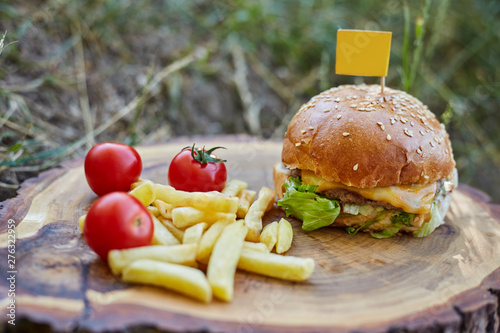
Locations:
(449, 281)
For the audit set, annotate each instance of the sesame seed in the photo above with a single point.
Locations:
(403, 120)
(388, 137)
(426, 177)
(419, 151)
(303, 131)
(422, 133)
(412, 124)
(393, 121)
(446, 151)
(408, 132)
(349, 98)
(311, 128)
(379, 123)
(297, 144)
(432, 144)
(326, 110)
(345, 134)
(336, 100)
(355, 97)
(362, 109)
(339, 116)
(353, 105)
(355, 167)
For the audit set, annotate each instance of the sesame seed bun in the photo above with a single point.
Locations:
(357, 136)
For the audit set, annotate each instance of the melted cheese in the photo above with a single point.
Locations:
(416, 199)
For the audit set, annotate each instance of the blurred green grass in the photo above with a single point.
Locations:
(80, 72)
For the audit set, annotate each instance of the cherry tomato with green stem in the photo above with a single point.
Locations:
(197, 170)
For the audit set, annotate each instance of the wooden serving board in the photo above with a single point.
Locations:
(447, 282)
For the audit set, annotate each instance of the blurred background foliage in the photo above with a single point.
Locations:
(73, 73)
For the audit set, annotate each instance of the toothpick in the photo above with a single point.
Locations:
(382, 83)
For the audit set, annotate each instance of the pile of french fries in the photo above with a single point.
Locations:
(208, 231)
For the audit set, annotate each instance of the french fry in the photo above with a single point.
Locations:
(178, 233)
(208, 240)
(213, 201)
(275, 265)
(246, 199)
(285, 235)
(161, 235)
(184, 217)
(144, 192)
(269, 235)
(253, 219)
(234, 187)
(153, 210)
(225, 255)
(164, 208)
(259, 247)
(138, 182)
(193, 234)
(81, 222)
(186, 280)
(182, 254)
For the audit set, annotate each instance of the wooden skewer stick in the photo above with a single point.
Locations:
(382, 83)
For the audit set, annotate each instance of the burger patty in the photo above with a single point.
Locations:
(346, 196)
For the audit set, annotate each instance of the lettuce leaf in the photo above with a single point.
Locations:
(427, 228)
(314, 210)
(398, 221)
(354, 231)
(403, 217)
(389, 231)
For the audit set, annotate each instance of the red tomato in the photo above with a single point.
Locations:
(112, 167)
(117, 221)
(197, 170)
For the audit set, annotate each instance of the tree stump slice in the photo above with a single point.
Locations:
(446, 282)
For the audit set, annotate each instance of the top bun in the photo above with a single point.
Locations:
(357, 136)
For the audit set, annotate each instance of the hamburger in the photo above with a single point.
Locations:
(356, 158)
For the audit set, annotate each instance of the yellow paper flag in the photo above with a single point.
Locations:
(364, 53)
